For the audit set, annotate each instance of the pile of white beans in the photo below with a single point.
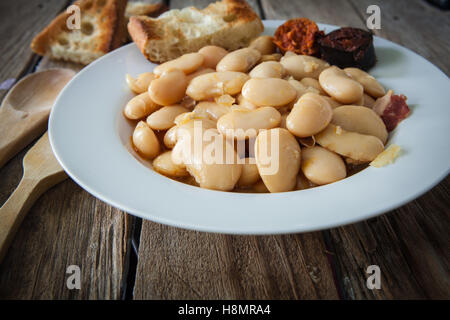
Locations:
(322, 114)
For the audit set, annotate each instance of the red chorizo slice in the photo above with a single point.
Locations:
(298, 35)
(392, 109)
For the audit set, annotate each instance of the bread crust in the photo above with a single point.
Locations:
(119, 35)
(242, 10)
(144, 9)
(110, 15)
(141, 31)
(148, 32)
(48, 35)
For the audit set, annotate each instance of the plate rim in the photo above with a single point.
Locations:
(161, 219)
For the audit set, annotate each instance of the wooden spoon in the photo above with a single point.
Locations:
(41, 171)
(25, 109)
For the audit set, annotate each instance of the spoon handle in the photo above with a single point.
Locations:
(19, 203)
(17, 130)
(14, 210)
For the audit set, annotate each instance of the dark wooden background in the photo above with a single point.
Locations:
(122, 257)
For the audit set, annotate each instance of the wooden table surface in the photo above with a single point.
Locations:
(123, 257)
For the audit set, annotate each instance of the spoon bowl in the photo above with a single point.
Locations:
(25, 109)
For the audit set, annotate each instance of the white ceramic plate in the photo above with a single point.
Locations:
(91, 140)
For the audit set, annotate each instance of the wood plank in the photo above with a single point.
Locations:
(397, 242)
(337, 12)
(20, 21)
(181, 264)
(416, 25)
(410, 245)
(237, 259)
(398, 19)
(66, 226)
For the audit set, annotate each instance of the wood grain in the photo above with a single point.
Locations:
(338, 12)
(406, 244)
(56, 234)
(41, 172)
(20, 21)
(23, 119)
(416, 25)
(66, 226)
(181, 264)
(409, 244)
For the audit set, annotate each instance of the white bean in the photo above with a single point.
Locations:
(170, 137)
(313, 84)
(322, 166)
(302, 66)
(240, 60)
(211, 109)
(368, 101)
(333, 103)
(145, 141)
(360, 147)
(244, 103)
(243, 123)
(310, 115)
(140, 106)
(187, 63)
(340, 86)
(278, 158)
(164, 118)
(164, 165)
(215, 84)
(271, 57)
(169, 88)
(215, 173)
(141, 83)
(360, 119)
(370, 84)
(212, 55)
(268, 92)
(199, 72)
(268, 69)
(264, 44)
(249, 175)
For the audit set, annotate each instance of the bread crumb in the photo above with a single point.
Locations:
(388, 156)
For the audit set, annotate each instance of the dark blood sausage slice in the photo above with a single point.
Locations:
(298, 35)
(392, 109)
(348, 47)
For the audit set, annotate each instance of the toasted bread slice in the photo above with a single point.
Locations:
(138, 8)
(102, 30)
(230, 24)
